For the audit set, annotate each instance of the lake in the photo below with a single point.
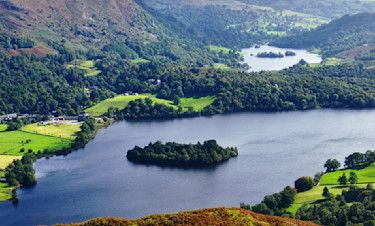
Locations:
(274, 150)
(269, 64)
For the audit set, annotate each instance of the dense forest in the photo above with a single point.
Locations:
(176, 154)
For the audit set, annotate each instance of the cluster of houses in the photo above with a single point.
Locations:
(51, 118)
(8, 117)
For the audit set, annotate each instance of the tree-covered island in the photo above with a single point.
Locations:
(176, 154)
(270, 55)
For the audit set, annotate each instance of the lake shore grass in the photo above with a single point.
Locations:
(12, 142)
(55, 130)
(5, 160)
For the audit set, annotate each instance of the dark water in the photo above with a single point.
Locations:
(269, 64)
(274, 150)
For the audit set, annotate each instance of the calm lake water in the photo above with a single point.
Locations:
(269, 64)
(274, 150)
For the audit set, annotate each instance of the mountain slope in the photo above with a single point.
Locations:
(215, 216)
(337, 36)
(79, 21)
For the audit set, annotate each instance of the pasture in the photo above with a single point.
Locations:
(62, 131)
(12, 142)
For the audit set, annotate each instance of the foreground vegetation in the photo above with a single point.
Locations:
(333, 201)
(171, 153)
(215, 216)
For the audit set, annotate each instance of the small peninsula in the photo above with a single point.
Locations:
(175, 154)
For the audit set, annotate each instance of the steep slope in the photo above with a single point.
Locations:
(216, 216)
(79, 21)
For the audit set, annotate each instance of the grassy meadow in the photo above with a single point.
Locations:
(5, 160)
(63, 131)
(3, 127)
(329, 180)
(12, 142)
(366, 175)
(88, 66)
(120, 102)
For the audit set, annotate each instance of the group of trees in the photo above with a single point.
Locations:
(275, 204)
(336, 211)
(353, 179)
(270, 55)
(21, 172)
(87, 132)
(176, 154)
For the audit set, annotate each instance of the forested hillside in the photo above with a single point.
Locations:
(232, 23)
(339, 35)
(325, 8)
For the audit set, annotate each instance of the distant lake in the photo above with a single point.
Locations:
(274, 150)
(269, 64)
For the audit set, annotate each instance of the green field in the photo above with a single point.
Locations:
(197, 102)
(217, 49)
(366, 175)
(315, 194)
(5, 160)
(12, 142)
(3, 127)
(5, 192)
(63, 131)
(329, 180)
(88, 66)
(120, 102)
(140, 60)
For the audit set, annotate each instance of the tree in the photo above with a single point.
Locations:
(304, 184)
(342, 179)
(354, 159)
(353, 179)
(332, 165)
(327, 194)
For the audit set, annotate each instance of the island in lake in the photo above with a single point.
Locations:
(270, 55)
(176, 154)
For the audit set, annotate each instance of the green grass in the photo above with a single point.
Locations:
(12, 142)
(366, 175)
(217, 49)
(88, 66)
(315, 194)
(3, 127)
(5, 192)
(197, 102)
(64, 131)
(331, 61)
(120, 102)
(5, 160)
(140, 60)
(221, 66)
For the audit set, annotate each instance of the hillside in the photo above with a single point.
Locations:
(93, 21)
(216, 216)
(325, 8)
(233, 23)
(344, 34)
